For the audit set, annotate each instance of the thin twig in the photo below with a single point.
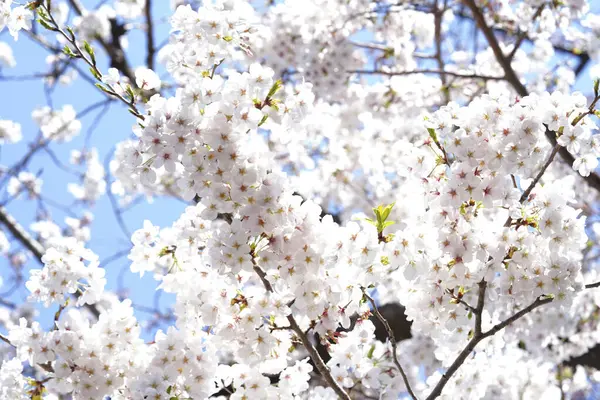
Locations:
(5, 339)
(70, 37)
(392, 339)
(460, 300)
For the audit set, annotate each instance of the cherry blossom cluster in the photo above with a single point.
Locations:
(129, 8)
(64, 270)
(473, 213)
(352, 149)
(203, 39)
(48, 231)
(10, 132)
(15, 18)
(25, 182)
(462, 175)
(313, 38)
(93, 185)
(469, 190)
(88, 360)
(95, 23)
(404, 31)
(12, 381)
(574, 323)
(7, 59)
(60, 125)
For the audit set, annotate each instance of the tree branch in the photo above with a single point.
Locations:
(426, 71)
(478, 337)
(150, 34)
(479, 309)
(392, 339)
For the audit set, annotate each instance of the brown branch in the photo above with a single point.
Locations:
(427, 71)
(21, 235)
(478, 337)
(584, 57)
(509, 73)
(479, 309)
(150, 32)
(592, 285)
(392, 339)
(314, 355)
(5, 339)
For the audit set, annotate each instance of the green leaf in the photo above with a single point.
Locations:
(95, 73)
(371, 351)
(227, 38)
(363, 299)
(70, 30)
(106, 89)
(432, 134)
(47, 25)
(382, 213)
(67, 50)
(369, 220)
(263, 120)
(387, 210)
(276, 86)
(130, 92)
(90, 51)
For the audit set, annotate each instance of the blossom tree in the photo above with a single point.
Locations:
(373, 200)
